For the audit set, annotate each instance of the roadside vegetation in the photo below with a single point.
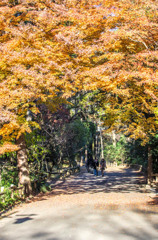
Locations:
(78, 80)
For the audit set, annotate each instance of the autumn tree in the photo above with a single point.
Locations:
(52, 49)
(27, 76)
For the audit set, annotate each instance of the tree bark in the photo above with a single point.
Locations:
(150, 162)
(86, 153)
(101, 144)
(97, 143)
(114, 138)
(22, 161)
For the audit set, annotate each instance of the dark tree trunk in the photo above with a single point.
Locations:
(150, 163)
(90, 149)
(22, 160)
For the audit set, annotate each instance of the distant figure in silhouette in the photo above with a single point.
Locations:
(95, 168)
(96, 161)
(87, 165)
(102, 166)
(91, 163)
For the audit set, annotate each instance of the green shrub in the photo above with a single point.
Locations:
(118, 153)
(45, 188)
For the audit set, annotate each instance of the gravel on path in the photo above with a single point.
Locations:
(85, 207)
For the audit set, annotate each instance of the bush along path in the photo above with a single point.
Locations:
(13, 195)
(85, 206)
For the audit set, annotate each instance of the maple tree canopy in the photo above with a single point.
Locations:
(51, 49)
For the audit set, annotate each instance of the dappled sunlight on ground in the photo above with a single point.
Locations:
(85, 223)
(124, 180)
(87, 207)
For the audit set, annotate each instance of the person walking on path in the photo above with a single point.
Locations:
(94, 166)
(87, 165)
(102, 166)
(90, 164)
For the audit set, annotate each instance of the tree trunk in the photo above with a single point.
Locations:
(86, 153)
(150, 162)
(24, 178)
(114, 138)
(97, 143)
(93, 147)
(101, 145)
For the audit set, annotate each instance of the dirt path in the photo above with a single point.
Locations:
(85, 207)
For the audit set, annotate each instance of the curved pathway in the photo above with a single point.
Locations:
(87, 207)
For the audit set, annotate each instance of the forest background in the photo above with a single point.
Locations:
(78, 79)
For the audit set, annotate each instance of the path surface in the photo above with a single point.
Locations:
(86, 207)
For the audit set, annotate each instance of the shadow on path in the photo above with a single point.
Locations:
(125, 181)
(99, 220)
(85, 223)
(24, 218)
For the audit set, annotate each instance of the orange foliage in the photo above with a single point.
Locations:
(53, 47)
